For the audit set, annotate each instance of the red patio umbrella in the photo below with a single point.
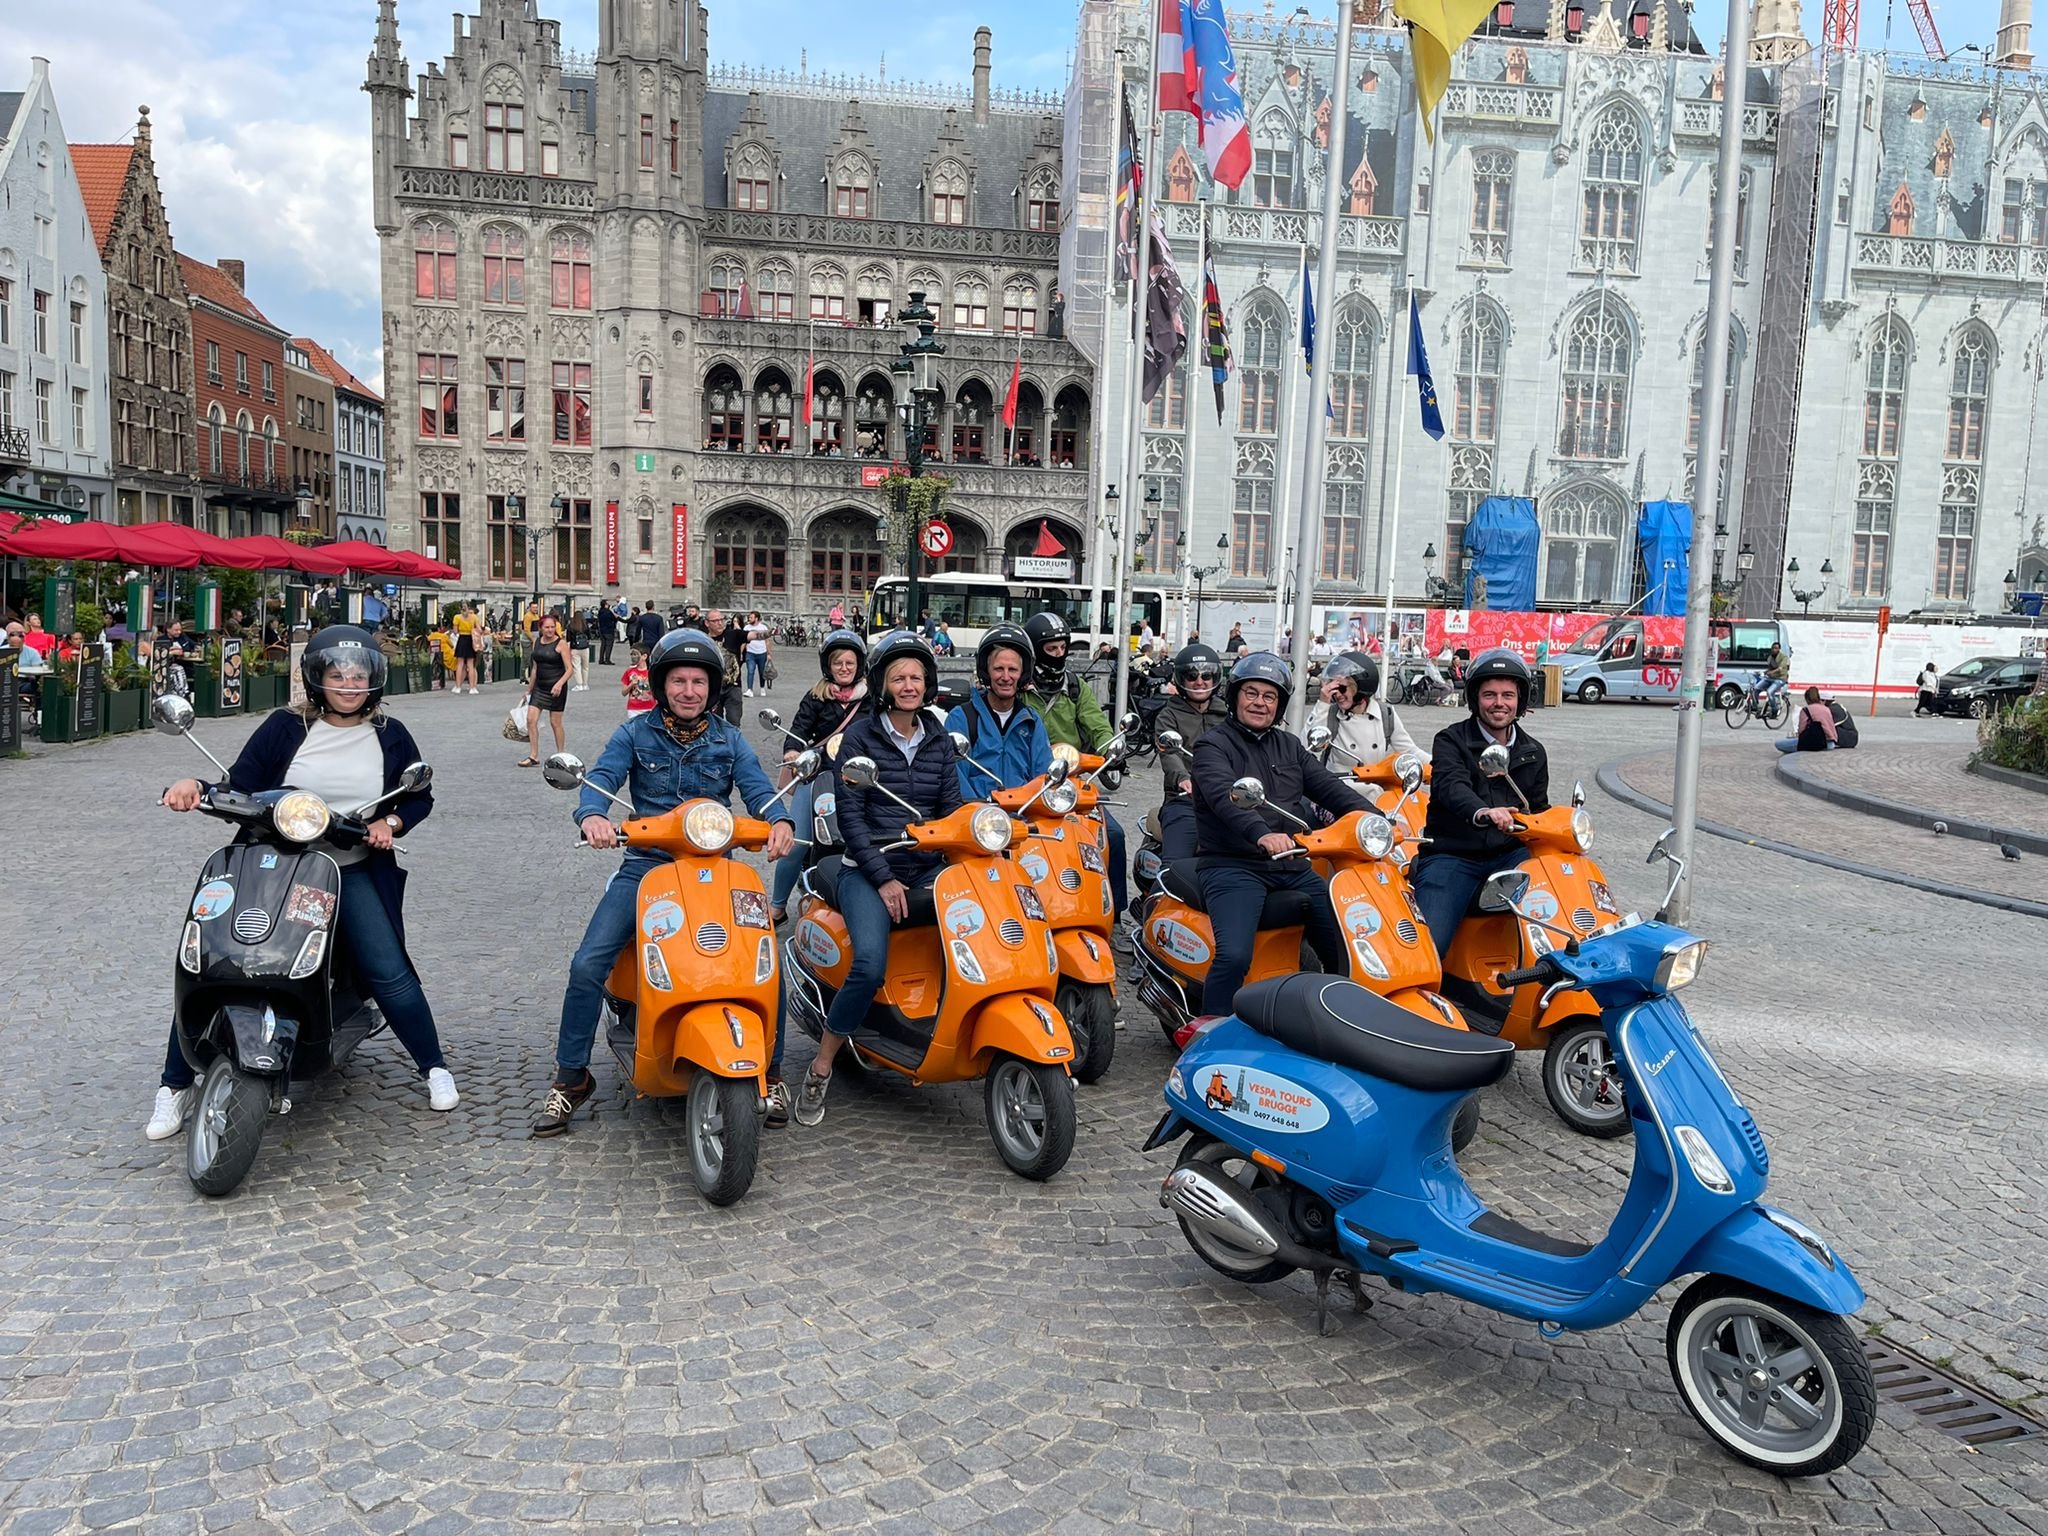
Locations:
(420, 568)
(361, 555)
(283, 555)
(9, 521)
(94, 541)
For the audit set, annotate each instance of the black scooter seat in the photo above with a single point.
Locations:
(1340, 1021)
(825, 881)
(1283, 909)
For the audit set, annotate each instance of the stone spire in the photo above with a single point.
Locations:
(1774, 32)
(2015, 35)
(385, 80)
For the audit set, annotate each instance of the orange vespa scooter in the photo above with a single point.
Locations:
(692, 1006)
(972, 978)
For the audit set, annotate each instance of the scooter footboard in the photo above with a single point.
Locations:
(1749, 1246)
(1028, 1028)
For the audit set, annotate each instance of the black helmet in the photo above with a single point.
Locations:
(1360, 667)
(1003, 637)
(895, 646)
(1195, 660)
(1258, 667)
(1044, 628)
(840, 640)
(1500, 662)
(338, 645)
(686, 648)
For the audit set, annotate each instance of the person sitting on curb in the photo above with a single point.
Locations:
(1813, 728)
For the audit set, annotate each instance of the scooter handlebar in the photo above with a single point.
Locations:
(1540, 971)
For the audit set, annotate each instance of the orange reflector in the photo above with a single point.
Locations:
(1269, 1162)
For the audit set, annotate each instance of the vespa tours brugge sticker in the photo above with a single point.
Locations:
(661, 919)
(212, 899)
(1180, 941)
(1539, 904)
(1362, 918)
(1035, 866)
(965, 918)
(816, 945)
(1261, 1098)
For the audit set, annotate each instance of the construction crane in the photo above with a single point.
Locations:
(1838, 27)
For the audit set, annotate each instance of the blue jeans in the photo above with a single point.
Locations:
(1119, 864)
(611, 930)
(371, 946)
(1791, 744)
(1446, 885)
(756, 669)
(1234, 892)
(868, 926)
(790, 867)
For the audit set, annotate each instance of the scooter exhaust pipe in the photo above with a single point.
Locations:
(1209, 1198)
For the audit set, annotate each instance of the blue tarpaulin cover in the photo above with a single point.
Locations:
(1501, 544)
(1664, 535)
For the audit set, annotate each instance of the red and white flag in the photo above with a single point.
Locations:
(1198, 76)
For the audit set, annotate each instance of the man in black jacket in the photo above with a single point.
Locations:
(1246, 852)
(1471, 814)
(1193, 710)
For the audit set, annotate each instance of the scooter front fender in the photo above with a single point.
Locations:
(1749, 1246)
(1085, 956)
(263, 1039)
(1028, 1028)
(726, 1039)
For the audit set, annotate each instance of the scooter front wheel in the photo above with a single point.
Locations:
(1582, 1082)
(226, 1129)
(1030, 1115)
(725, 1135)
(1780, 1385)
(1226, 1258)
(1090, 1012)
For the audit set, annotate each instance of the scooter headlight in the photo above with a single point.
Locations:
(964, 962)
(1375, 836)
(311, 953)
(708, 826)
(1061, 798)
(301, 816)
(1681, 963)
(188, 947)
(657, 968)
(990, 825)
(1706, 1164)
(1582, 829)
(1369, 959)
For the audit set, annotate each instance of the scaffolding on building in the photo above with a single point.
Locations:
(1088, 162)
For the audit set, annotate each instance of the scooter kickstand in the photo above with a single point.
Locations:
(1326, 1327)
(1360, 1302)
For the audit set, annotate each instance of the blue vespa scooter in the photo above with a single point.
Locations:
(1318, 1138)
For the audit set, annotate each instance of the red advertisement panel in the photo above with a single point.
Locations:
(680, 575)
(611, 542)
(1464, 629)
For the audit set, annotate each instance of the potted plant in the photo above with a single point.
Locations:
(127, 693)
(57, 691)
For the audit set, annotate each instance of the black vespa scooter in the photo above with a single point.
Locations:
(260, 1002)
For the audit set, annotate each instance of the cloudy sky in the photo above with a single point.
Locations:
(262, 130)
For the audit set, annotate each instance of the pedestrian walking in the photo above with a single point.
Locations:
(728, 638)
(1929, 684)
(756, 655)
(547, 687)
(607, 630)
(579, 651)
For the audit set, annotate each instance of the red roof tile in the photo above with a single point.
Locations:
(102, 173)
(214, 286)
(324, 362)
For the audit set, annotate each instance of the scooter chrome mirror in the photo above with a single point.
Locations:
(770, 718)
(1058, 771)
(807, 765)
(172, 714)
(1493, 762)
(1130, 722)
(415, 777)
(1503, 891)
(1661, 849)
(960, 742)
(1408, 769)
(1171, 741)
(563, 771)
(859, 772)
(1249, 793)
(1319, 738)
(1579, 793)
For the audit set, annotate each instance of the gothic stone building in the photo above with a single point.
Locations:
(604, 280)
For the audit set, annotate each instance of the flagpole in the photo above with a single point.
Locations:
(1193, 406)
(1396, 370)
(1308, 520)
(1283, 468)
(1133, 501)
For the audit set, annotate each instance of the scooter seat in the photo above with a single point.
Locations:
(1283, 909)
(1340, 1021)
(825, 881)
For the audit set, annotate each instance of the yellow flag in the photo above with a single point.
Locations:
(1436, 30)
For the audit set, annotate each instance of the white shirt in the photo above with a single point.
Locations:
(907, 745)
(343, 765)
(757, 639)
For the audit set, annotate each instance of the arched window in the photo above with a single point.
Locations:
(851, 180)
(1261, 347)
(1273, 161)
(776, 298)
(1165, 466)
(968, 555)
(845, 555)
(874, 296)
(970, 303)
(1612, 191)
(828, 414)
(728, 286)
(774, 411)
(1962, 472)
(216, 428)
(1599, 357)
(272, 457)
(433, 259)
(569, 269)
(973, 412)
(750, 549)
(1475, 403)
(504, 265)
(874, 410)
(752, 179)
(1877, 479)
(949, 193)
(1581, 545)
(725, 411)
(828, 295)
(1493, 198)
(1344, 486)
(1068, 446)
(1042, 200)
(1251, 511)
(244, 430)
(1020, 308)
(504, 123)
(1696, 408)
(1354, 344)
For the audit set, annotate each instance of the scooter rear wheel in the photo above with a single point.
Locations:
(725, 1135)
(1090, 1012)
(1226, 1258)
(1779, 1385)
(1030, 1115)
(1581, 1081)
(226, 1128)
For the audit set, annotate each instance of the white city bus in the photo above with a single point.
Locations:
(971, 603)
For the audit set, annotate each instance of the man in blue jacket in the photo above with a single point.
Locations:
(1005, 736)
(680, 750)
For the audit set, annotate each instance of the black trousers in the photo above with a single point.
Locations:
(605, 640)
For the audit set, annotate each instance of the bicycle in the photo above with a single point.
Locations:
(1761, 702)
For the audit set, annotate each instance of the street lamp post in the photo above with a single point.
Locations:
(2012, 590)
(535, 533)
(1803, 597)
(1202, 573)
(914, 367)
(1436, 588)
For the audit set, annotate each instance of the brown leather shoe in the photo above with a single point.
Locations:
(561, 1105)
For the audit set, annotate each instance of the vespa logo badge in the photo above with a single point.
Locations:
(1661, 1062)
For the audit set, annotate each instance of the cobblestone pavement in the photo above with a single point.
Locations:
(430, 1323)
(1933, 776)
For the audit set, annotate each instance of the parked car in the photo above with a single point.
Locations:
(1986, 683)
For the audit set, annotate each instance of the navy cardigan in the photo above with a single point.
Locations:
(267, 758)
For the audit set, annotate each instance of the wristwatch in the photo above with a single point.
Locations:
(394, 824)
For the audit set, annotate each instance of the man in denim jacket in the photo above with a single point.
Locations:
(680, 750)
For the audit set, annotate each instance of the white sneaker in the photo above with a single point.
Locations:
(167, 1117)
(476, 690)
(748, 694)
(441, 1094)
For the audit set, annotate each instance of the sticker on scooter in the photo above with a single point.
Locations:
(268, 861)
(1036, 867)
(661, 919)
(310, 905)
(965, 918)
(1603, 898)
(1091, 857)
(1362, 918)
(750, 909)
(1263, 1099)
(816, 945)
(213, 898)
(1540, 905)
(1180, 941)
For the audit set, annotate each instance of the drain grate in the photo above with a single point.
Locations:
(1937, 1398)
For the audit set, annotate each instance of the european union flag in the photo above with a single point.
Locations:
(1418, 365)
